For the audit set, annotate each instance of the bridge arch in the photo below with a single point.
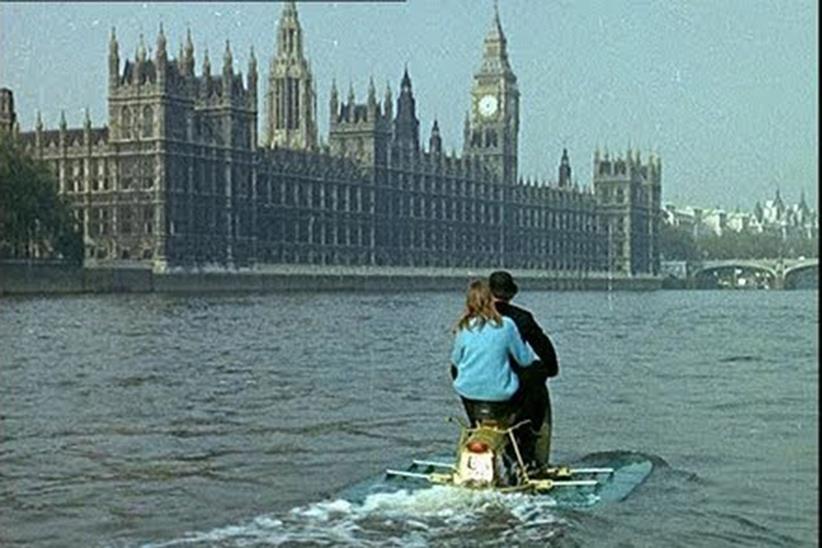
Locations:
(795, 272)
(709, 275)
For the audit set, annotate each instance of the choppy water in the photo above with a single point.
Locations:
(237, 420)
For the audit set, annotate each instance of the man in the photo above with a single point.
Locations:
(535, 437)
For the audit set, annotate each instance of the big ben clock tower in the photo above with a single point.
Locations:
(492, 127)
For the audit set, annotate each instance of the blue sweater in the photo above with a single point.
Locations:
(481, 357)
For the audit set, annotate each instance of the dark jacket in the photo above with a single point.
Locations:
(532, 333)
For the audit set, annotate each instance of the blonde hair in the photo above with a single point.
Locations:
(479, 304)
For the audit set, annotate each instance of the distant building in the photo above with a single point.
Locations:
(628, 194)
(772, 216)
(179, 177)
(8, 118)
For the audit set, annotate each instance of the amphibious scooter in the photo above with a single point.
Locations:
(488, 457)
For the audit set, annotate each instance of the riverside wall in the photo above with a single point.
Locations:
(25, 278)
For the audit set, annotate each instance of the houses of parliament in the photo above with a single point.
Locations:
(179, 177)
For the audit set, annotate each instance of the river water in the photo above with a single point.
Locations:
(237, 420)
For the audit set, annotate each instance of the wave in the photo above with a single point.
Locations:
(376, 512)
(439, 515)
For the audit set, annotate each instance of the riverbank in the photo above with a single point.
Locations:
(25, 278)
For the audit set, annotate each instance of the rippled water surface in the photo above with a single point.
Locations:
(238, 420)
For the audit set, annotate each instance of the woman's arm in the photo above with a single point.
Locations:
(456, 351)
(521, 352)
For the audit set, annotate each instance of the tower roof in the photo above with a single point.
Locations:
(495, 56)
(289, 32)
(495, 33)
(290, 9)
(405, 83)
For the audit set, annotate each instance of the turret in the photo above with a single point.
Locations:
(161, 57)
(188, 56)
(142, 52)
(251, 81)
(351, 103)
(406, 125)
(289, 42)
(38, 132)
(139, 61)
(435, 142)
(206, 64)
(564, 169)
(228, 70)
(388, 107)
(113, 61)
(63, 127)
(372, 100)
(334, 102)
(291, 98)
(206, 74)
(86, 128)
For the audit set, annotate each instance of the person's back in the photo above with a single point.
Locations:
(530, 331)
(481, 355)
(483, 343)
(534, 400)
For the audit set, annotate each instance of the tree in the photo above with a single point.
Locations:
(747, 245)
(677, 244)
(34, 218)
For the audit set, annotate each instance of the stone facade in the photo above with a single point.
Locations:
(629, 194)
(177, 179)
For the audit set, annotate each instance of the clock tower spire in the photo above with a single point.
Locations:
(492, 130)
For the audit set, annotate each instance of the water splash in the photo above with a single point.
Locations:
(437, 515)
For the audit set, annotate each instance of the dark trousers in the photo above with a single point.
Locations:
(535, 407)
(531, 403)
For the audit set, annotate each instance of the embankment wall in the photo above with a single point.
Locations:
(25, 278)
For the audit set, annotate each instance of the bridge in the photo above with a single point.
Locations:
(767, 273)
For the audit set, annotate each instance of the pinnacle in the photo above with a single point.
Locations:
(495, 33)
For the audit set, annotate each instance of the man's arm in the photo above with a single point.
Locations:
(539, 341)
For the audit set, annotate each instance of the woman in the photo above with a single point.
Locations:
(483, 342)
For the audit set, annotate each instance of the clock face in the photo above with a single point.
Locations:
(488, 105)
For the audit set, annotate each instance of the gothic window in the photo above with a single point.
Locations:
(620, 196)
(148, 219)
(125, 220)
(490, 138)
(606, 195)
(316, 199)
(148, 121)
(147, 173)
(105, 227)
(125, 174)
(125, 122)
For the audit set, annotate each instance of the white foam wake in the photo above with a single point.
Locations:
(434, 516)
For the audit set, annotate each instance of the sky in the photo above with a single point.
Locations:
(725, 92)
